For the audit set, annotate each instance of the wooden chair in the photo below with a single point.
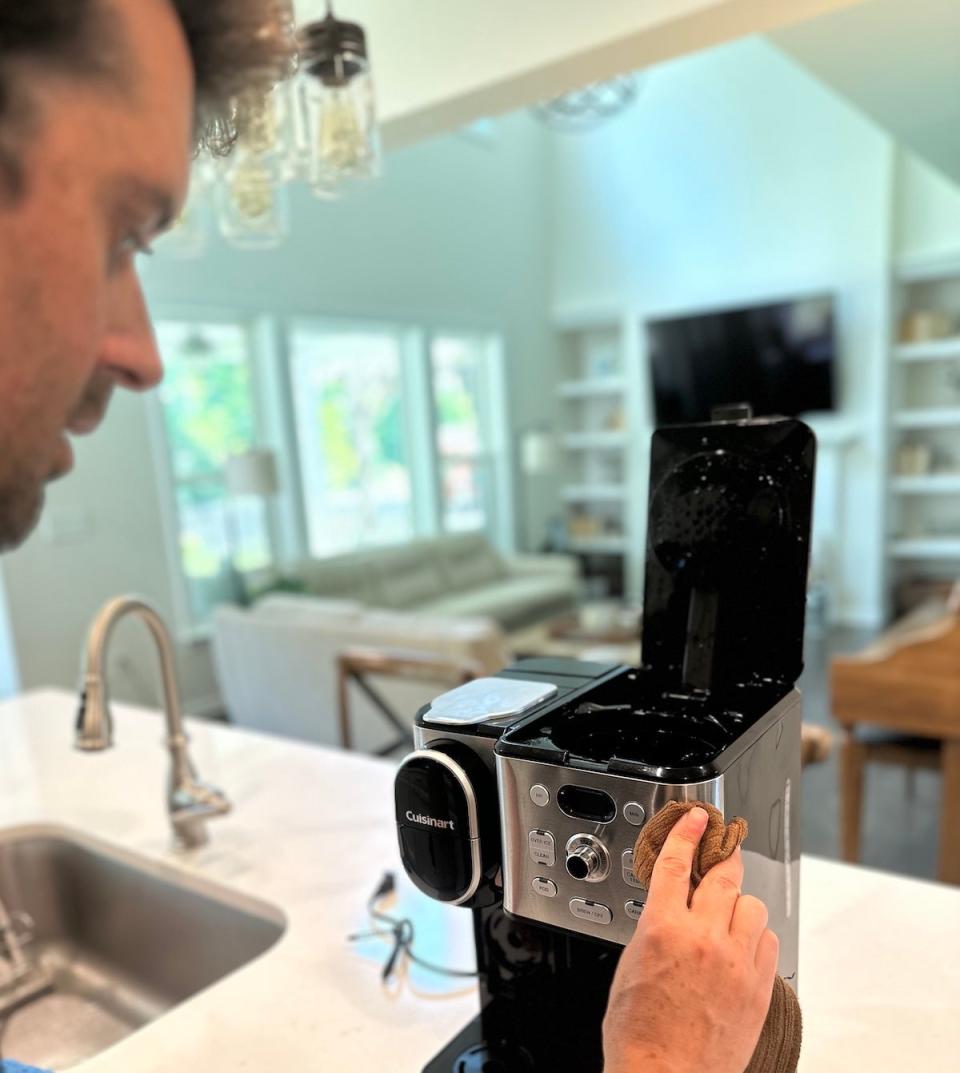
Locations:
(899, 703)
(358, 665)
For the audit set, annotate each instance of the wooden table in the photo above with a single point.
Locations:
(907, 682)
(564, 637)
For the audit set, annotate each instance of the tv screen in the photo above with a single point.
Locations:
(779, 358)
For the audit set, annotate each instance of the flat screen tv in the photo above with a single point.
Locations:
(778, 357)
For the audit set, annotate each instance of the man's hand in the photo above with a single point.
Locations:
(693, 986)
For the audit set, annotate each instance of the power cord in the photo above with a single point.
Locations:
(401, 928)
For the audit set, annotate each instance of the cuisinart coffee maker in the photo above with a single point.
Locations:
(527, 790)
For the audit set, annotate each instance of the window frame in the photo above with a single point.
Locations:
(188, 627)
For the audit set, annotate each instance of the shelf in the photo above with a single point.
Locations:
(582, 493)
(932, 350)
(613, 545)
(926, 548)
(927, 484)
(944, 265)
(599, 385)
(585, 441)
(936, 417)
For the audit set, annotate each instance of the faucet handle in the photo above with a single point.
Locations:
(191, 804)
(94, 725)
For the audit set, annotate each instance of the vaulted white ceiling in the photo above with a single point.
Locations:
(440, 64)
(897, 60)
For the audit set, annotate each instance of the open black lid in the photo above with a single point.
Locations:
(728, 542)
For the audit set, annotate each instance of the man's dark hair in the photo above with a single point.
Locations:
(235, 45)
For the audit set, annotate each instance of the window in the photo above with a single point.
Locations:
(380, 433)
(208, 415)
(461, 375)
(350, 436)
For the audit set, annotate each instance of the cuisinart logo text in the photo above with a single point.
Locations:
(429, 821)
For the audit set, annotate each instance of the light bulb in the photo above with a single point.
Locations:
(342, 142)
(252, 201)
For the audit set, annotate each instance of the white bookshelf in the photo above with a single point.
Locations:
(598, 493)
(928, 417)
(597, 389)
(595, 441)
(601, 545)
(934, 350)
(927, 484)
(923, 512)
(920, 548)
(592, 387)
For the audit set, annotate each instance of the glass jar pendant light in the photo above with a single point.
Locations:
(252, 196)
(336, 108)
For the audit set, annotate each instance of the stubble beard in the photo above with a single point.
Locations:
(21, 501)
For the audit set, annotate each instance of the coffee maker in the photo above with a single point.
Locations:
(527, 790)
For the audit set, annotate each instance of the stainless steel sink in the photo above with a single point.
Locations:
(123, 940)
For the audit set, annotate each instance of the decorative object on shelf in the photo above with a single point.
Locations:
(616, 419)
(586, 109)
(602, 363)
(923, 325)
(913, 459)
(316, 124)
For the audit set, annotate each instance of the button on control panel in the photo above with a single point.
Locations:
(543, 848)
(595, 912)
(633, 910)
(634, 813)
(545, 887)
(626, 865)
(540, 795)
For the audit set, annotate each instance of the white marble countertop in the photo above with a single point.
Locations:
(312, 833)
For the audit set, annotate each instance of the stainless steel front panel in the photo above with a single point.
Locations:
(519, 817)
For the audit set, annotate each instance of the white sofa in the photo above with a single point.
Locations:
(276, 663)
(458, 574)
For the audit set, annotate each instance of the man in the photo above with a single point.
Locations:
(101, 103)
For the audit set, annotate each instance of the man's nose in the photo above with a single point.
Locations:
(129, 348)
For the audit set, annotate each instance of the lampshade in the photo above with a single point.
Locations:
(538, 451)
(253, 473)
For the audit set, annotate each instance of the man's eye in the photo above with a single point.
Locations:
(127, 247)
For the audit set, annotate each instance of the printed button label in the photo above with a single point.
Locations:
(595, 912)
(543, 848)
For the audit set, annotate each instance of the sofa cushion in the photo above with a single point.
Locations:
(406, 577)
(512, 602)
(469, 561)
(343, 577)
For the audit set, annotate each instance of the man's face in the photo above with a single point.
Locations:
(104, 171)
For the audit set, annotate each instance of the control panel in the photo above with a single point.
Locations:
(568, 839)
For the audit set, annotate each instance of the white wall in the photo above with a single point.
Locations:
(453, 234)
(737, 178)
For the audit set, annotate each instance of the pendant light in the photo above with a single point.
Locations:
(336, 108)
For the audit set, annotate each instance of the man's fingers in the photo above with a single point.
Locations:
(670, 883)
(749, 922)
(768, 951)
(719, 890)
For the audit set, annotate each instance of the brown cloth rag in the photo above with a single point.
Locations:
(778, 1049)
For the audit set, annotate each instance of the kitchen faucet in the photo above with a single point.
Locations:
(190, 802)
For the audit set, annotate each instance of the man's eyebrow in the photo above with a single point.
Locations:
(152, 197)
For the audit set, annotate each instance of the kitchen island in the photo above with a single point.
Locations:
(311, 835)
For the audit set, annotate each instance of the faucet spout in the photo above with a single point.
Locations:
(190, 802)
